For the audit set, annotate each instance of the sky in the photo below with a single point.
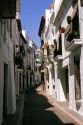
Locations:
(30, 15)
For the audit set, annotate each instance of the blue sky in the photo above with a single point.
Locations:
(31, 12)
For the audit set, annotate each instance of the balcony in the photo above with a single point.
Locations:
(72, 36)
(19, 60)
(58, 55)
(50, 53)
(75, 43)
(45, 60)
(58, 58)
(58, 51)
(29, 68)
(22, 50)
(42, 69)
(73, 40)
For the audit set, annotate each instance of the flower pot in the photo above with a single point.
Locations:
(62, 29)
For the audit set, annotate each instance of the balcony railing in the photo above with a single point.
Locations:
(51, 53)
(58, 51)
(22, 50)
(73, 35)
(45, 60)
(19, 60)
(29, 67)
(72, 41)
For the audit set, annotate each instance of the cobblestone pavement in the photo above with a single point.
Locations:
(38, 111)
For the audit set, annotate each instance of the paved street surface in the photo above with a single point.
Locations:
(38, 111)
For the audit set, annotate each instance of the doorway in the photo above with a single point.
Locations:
(20, 81)
(67, 84)
(5, 90)
(23, 81)
(27, 81)
(77, 82)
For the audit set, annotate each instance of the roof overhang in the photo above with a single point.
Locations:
(42, 23)
(19, 25)
(22, 37)
(60, 12)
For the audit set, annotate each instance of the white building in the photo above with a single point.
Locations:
(62, 35)
(31, 63)
(7, 82)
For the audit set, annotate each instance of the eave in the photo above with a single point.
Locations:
(42, 23)
(22, 37)
(19, 25)
(60, 12)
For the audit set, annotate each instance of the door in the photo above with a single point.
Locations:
(67, 84)
(5, 90)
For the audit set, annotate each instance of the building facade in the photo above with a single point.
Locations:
(7, 82)
(14, 54)
(7, 39)
(62, 36)
(38, 58)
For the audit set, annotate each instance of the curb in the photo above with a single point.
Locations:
(74, 118)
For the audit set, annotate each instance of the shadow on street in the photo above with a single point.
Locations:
(38, 111)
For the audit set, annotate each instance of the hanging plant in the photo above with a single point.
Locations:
(62, 29)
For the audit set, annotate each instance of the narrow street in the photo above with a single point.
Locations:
(38, 111)
(41, 62)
